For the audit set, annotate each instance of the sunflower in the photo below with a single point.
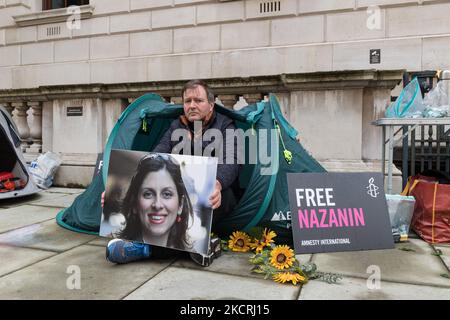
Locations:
(282, 257)
(293, 277)
(267, 237)
(239, 242)
(258, 246)
(265, 241)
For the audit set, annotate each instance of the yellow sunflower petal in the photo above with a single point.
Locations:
(282, 257)
(284, 277)
(239, 242)
(279, 277)
(257, 246)
(268, 236)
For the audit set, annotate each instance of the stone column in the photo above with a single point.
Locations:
(247, 99)
(47, 126)
(176, 100)
(111, 111)
(241, 103)
(22, 124)
(284, 99)
(8, 107)
(375, 102)
(228, 100)
(446, 78)
(253, 97)
(36, 127)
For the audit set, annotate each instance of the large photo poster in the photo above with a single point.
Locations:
(159, 199)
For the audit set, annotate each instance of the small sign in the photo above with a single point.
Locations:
(74, 111)
(333, 212)
(375, 56)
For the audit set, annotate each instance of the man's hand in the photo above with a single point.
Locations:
(216, 197)
(103, 199)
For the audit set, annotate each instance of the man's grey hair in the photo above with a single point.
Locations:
(194, 84)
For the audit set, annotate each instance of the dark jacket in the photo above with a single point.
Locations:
(226, 173)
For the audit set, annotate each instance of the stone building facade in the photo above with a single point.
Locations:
(67, 74)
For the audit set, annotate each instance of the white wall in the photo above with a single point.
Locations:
(171, 40)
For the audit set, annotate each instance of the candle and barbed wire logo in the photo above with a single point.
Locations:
(372, 188)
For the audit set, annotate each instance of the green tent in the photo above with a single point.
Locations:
(265, 201)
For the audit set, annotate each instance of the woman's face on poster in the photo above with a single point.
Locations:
(158, 203)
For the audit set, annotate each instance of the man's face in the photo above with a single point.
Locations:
(196, 105)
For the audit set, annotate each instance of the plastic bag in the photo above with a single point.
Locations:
(409, 103)
(436, 102)
(436, 112)
(401, 209)
(43, 169)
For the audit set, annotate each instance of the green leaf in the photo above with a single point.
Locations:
(257, 260)
(308, 268)
(406, 249)
(257, 269)
(224, 245)
(445, 275)
(438, 253)
(328, 277)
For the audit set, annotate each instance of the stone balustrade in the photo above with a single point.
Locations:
(36, 127)
(31, 136)
(28, 115)
(20, 117)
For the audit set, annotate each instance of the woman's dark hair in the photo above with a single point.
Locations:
(133, 228)
(113, 204)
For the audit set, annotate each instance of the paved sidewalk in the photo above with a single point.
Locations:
(38, 258)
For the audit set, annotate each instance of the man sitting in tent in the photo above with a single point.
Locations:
(199, 117)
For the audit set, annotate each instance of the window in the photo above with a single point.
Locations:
(56, 4)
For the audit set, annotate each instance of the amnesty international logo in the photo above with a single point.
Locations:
(280, 216)
(372, 189)
(283, 216)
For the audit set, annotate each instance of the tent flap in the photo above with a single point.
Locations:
(12, 159)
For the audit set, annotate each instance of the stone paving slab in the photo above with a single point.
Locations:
(445, 257)
(232, 263)
(40, 274)
(47, 236)
(303, 258)
(99, 279)
(357, 289)
(99, 241)
(63, 201)
(25, 215)
(13, 258)
(178, 283)
(64, 190)
(416, 267)
(17, 202)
